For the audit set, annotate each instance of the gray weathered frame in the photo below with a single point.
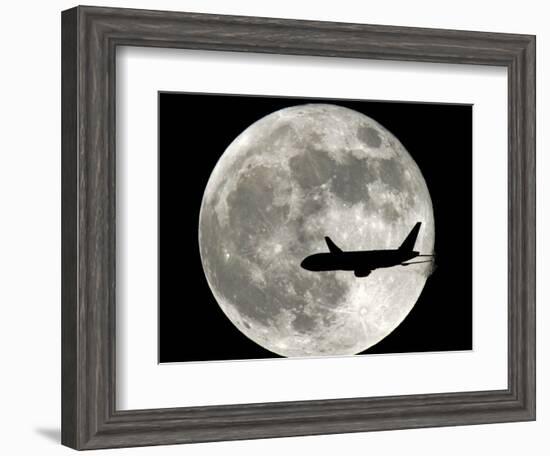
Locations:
(90, 36)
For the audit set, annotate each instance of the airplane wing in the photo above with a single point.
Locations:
(416, 262)
(333, 248)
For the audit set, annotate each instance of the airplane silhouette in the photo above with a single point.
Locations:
(362, 263)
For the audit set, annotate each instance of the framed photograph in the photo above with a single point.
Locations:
(278, 228)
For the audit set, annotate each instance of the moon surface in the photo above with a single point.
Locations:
(288, 180)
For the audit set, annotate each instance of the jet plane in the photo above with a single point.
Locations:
(363, 262)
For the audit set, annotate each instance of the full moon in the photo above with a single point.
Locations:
(288, 180)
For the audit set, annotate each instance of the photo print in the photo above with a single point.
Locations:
(301, 227)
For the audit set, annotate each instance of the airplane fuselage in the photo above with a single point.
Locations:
(350, 261)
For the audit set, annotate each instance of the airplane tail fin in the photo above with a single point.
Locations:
(333, 248)
(410, 240)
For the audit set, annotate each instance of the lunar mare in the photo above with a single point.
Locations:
(284, 183)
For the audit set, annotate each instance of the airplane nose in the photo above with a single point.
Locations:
(306, 262)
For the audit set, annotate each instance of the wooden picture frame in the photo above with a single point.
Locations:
(90, 36)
